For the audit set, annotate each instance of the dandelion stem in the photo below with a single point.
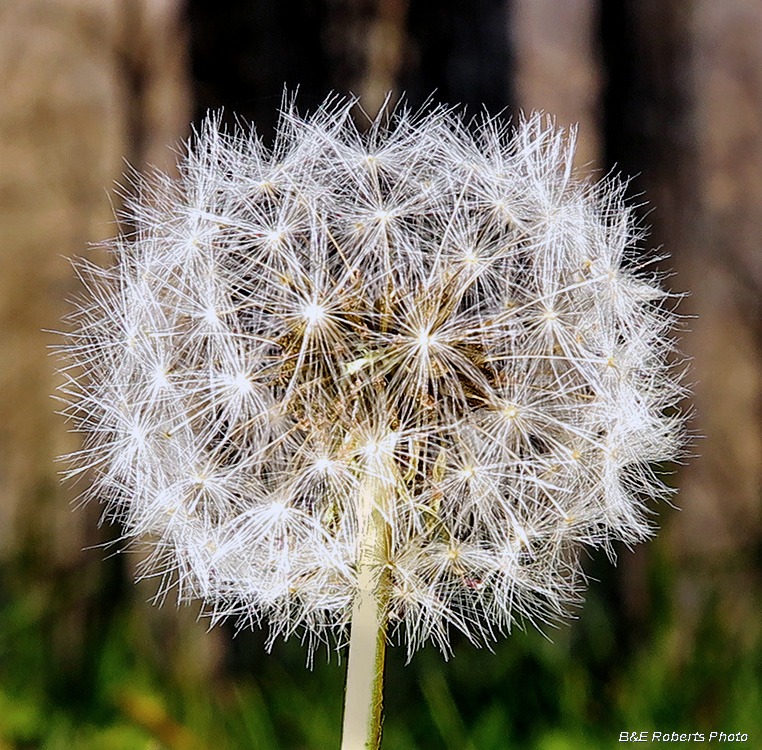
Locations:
(363, 701)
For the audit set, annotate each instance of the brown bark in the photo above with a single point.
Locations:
(717, 534)
(557, 67)
(367, 40)
(84, 86)
(61, 141)
(697, 77)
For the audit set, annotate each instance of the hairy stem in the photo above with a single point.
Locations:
(363, 702)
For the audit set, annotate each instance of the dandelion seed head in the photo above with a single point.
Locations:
(446, 312)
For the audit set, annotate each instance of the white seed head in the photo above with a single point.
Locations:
(450, 312)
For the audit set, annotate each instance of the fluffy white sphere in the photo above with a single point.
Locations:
(448, 312)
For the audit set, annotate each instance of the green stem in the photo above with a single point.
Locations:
(363, 702)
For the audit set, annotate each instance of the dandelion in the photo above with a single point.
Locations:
(375, 386)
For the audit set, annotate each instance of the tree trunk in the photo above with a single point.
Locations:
(85, 85)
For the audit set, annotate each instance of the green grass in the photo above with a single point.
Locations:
(602, 675)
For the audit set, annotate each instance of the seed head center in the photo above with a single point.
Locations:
(425, 340)
(241, 383)
(314, 314)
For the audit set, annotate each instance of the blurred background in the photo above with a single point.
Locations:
(668, 92)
